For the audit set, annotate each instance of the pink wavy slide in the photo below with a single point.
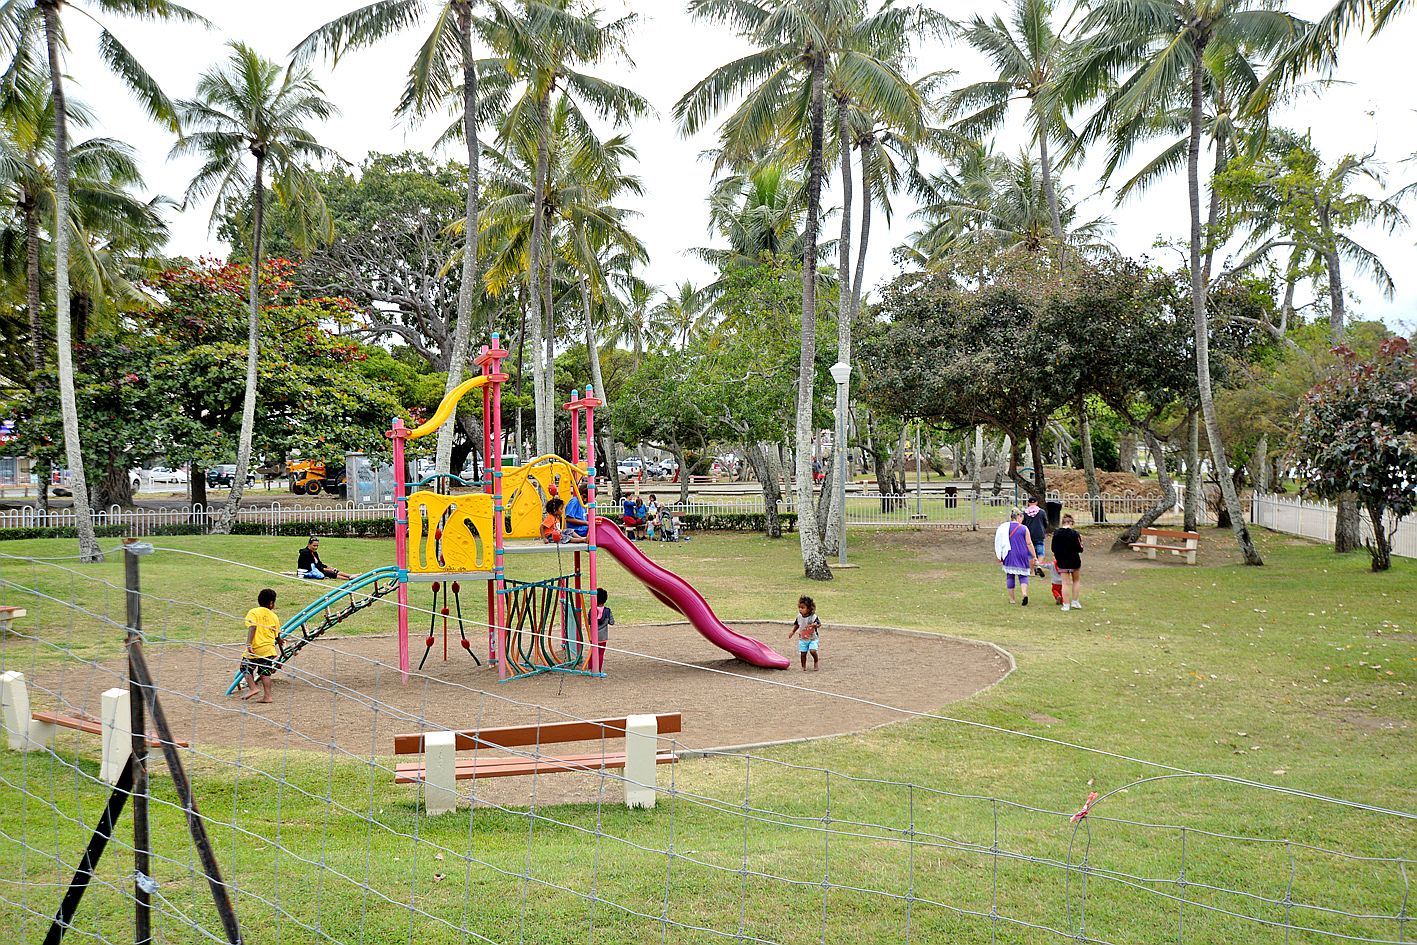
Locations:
(678, 594)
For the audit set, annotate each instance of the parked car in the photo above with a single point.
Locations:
(221, 477)
(630, 467)
(166, 475)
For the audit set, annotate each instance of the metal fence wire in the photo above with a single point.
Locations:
(315, 843)
(927, 509)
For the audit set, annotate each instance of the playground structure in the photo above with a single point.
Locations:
(446, 539)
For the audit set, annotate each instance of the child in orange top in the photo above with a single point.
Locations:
(551, 524)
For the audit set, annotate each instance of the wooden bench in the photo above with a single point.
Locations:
(1162, 539)
(8, 616)
(441, 767)
(35, 731)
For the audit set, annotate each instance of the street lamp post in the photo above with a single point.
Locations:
(841, 373)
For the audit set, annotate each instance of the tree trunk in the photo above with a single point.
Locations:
(253, 338)
(1089, 465)
(114, 487)
(1195, 485)
(1260, 463)
(677, 452)
(866, 196)
(844, 314)
(457, 357)
(762, 467)
(825, 499)
(1127, 452)
(1228, 492)
(548, 340)
(29, 211)
(814, 557)
(1380, 548)
(1045, 167)
(196, 489)
(1347, 526)
(538, 236)
(68, 406)
(1167, 500)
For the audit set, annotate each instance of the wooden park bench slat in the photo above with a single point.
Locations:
(501, 766)
(440, 767)
(547, 733)
(1150, 544)
(91, 726)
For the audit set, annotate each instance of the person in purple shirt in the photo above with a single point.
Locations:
(1014, 548)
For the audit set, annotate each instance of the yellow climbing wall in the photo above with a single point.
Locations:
(525, 490)
(450, 532)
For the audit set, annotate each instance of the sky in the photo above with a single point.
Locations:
(1368, 109)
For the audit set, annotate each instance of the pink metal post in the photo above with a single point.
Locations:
(597, 652)
(491, 362)
(398, 434)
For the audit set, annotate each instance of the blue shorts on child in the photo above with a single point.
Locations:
(807, 646)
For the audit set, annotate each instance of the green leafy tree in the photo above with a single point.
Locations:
(1152, 50)
(1358, 434)
(23, 28)
(252, 108)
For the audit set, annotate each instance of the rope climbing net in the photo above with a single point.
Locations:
(547, 627)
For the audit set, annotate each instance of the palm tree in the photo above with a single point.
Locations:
(1155, 47)
(633, 317)
(994, 200)
(252, 107)
(21, 28)
(444, 57)
(1028, 55)
(794, 42)
(1287, 199)
(682, 312)
(543, 53)
(106, 219)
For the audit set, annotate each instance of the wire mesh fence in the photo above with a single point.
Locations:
(316, 842)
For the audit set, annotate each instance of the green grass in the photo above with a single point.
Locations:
(1299, 674)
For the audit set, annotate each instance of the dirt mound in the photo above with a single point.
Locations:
(1074, 482)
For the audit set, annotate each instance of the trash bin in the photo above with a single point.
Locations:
(951, 497)
(1055, 513)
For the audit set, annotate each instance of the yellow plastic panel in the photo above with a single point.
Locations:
(525, 490)
(450, 532)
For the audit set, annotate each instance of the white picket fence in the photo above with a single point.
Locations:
(926, 510)
(143, 522)
(1316, 520)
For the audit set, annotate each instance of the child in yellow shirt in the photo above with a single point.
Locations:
(263, 644)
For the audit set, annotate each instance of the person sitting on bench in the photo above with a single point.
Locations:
(310, 566)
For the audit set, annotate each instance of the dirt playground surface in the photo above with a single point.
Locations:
(345, 692)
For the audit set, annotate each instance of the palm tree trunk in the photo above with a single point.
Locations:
(457, 358)
(1195, 486)
(1050, 193)
(68, 406)
(845, 313)
(1202, 327)
(548, 305)
(32, 303)
(538, 237)
(814, 557)
(1348, 523)
(253, 341)
(1089, 465)
(859, 279)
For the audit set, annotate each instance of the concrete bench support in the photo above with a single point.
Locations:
(117, 735)
(440, 765)
(15, 706)
(641, 748)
